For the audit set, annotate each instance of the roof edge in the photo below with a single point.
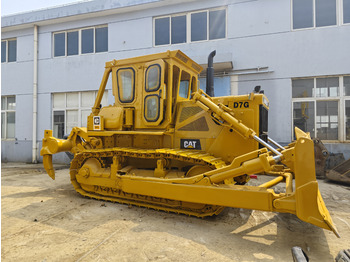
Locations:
(82, 9)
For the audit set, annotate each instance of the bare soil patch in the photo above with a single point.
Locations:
(45, 220)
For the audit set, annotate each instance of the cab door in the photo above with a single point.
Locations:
(154, 93)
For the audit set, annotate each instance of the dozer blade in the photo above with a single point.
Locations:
(310, 206)
(340, 173)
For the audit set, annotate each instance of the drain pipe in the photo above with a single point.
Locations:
(35, 95)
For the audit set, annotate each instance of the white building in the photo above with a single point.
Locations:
(52, 61)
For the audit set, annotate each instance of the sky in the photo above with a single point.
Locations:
(9, 7)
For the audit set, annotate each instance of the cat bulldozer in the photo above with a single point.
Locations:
(166, 144)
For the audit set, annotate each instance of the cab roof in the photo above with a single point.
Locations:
(176, 55)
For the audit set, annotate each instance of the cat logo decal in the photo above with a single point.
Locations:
(191, 144)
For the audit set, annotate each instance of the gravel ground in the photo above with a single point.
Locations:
(45, 220)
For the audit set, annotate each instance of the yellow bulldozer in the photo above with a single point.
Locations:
(168, 145)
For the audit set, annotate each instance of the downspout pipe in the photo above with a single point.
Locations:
(35, 95)
(210, 74)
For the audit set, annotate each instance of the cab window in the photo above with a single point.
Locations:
(193, 85)
(184, 85)
(126, 84)
(184, 89)
(153, 78)
(152, 108)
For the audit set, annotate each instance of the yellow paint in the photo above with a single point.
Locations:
(165, 144)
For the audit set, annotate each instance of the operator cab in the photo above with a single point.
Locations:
(148, 89)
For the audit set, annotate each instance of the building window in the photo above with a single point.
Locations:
(217, 24)
(347, 119)
(347, 106)
(315, 13)
(346, 11)
(60, 44)
(190, 27)
(9, 50)
(87, 41)
(81, 41)
(178, 29)
(199, 26)
(162, 32)
(72, 109)
(8, 117)
(347, 85)
(72, 43)
(101, 39)
(321, 107)
(325, 12)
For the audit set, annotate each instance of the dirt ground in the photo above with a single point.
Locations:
(45, 220)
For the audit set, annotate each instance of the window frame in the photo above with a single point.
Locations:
(340, 99)
(79, 30)
(78, 108)
(7, 50)
(188, 26)
(5, 111)
(339, 16)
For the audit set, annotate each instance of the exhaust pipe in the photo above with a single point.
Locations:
(210, 75)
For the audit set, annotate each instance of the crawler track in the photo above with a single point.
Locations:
(114, 194)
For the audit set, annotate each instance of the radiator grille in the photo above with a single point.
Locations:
(188, 112)
(197, 125)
